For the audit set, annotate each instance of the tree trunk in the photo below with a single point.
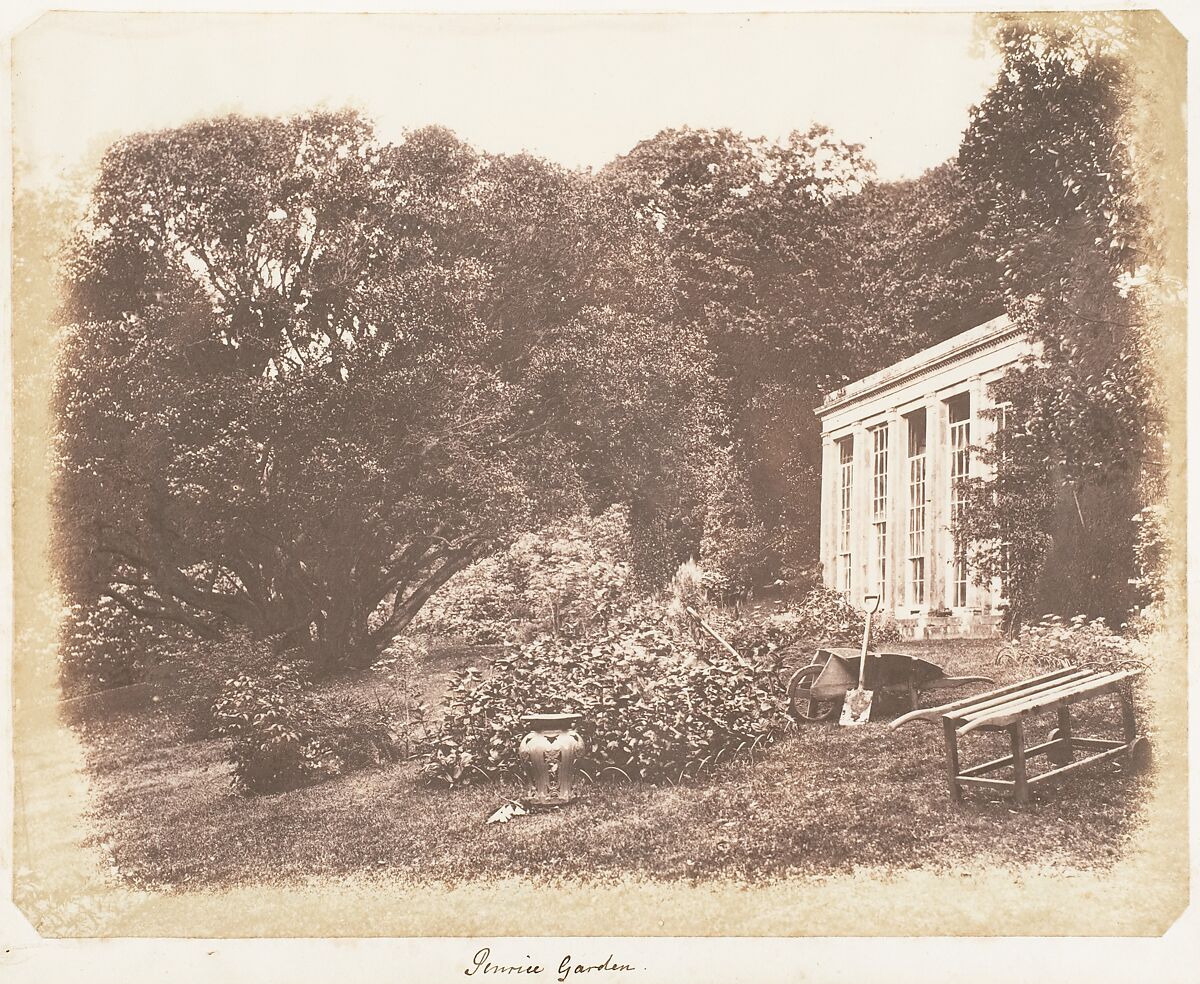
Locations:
(405, 609)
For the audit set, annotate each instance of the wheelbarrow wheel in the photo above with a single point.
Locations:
(804, 706)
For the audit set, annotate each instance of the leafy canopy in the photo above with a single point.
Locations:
(310, 375)
(1061, 176)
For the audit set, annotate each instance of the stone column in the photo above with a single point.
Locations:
(828, 510)
(897, 512)
(977, 596)
(937, 502)
(860, 516)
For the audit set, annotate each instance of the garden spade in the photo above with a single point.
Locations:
(856, 708)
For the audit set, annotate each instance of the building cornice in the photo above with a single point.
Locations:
(959, 348)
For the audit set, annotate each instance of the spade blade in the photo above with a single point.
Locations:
(856, 708)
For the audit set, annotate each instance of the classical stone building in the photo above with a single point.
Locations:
(893, 445)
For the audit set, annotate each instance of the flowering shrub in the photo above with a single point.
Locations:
(478, 605)
(572, 575)
(652, 708)
(99, 647)
(1054, 643)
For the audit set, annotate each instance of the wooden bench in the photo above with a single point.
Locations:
(1007, 708)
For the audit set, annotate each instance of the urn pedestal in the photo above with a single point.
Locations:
(548, 754)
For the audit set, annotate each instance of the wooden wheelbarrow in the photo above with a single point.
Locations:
(817, 690)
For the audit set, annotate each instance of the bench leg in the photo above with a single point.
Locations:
(1061, 754)
(1128, 718)
(952, 759)
(1020, 784)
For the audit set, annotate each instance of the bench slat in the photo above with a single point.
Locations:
(1001, 704)
(1006, 715)
(966, 713)
(933, 713)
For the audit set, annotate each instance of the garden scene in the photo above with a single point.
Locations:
(694, 767)
(417, 512)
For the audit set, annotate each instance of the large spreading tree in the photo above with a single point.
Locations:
(309, 375)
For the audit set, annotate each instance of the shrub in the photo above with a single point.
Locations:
(566, 577)
(100, 647)
(280, 734)
(652, 707)
(350, 736)
(1148, 625)
(267, 723)
(573, 574)
(1053, 643)
(478, 604)
(191, 683)
(1150, 554)
(822, 617)
(737, 550)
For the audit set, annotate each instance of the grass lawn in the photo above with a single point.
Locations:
(826, 800)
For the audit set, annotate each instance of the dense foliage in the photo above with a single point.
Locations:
(98, 648)
(820, 617)
(190, 683)
(279, 733)
(1054, 642)
(1061, 174)
(266, 723)
(1150, 554)
(800, 274)
(568, 576)
(479, 605)
(311, 376)
(748, 224)
(918, 266)
(316, 386)
(652, 707)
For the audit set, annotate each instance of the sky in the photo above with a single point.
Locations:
(577, 89)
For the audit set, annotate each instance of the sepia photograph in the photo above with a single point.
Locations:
(543, 480)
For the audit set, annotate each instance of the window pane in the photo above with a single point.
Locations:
(879, 504)
(916, 508)
(959, 413)
(845, 500)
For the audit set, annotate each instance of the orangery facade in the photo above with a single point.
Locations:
(894, 445)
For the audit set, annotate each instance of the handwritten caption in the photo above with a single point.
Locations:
(568, 967)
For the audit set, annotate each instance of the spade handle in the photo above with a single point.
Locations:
(872, 603)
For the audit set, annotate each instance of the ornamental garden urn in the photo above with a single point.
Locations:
(548, 754)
